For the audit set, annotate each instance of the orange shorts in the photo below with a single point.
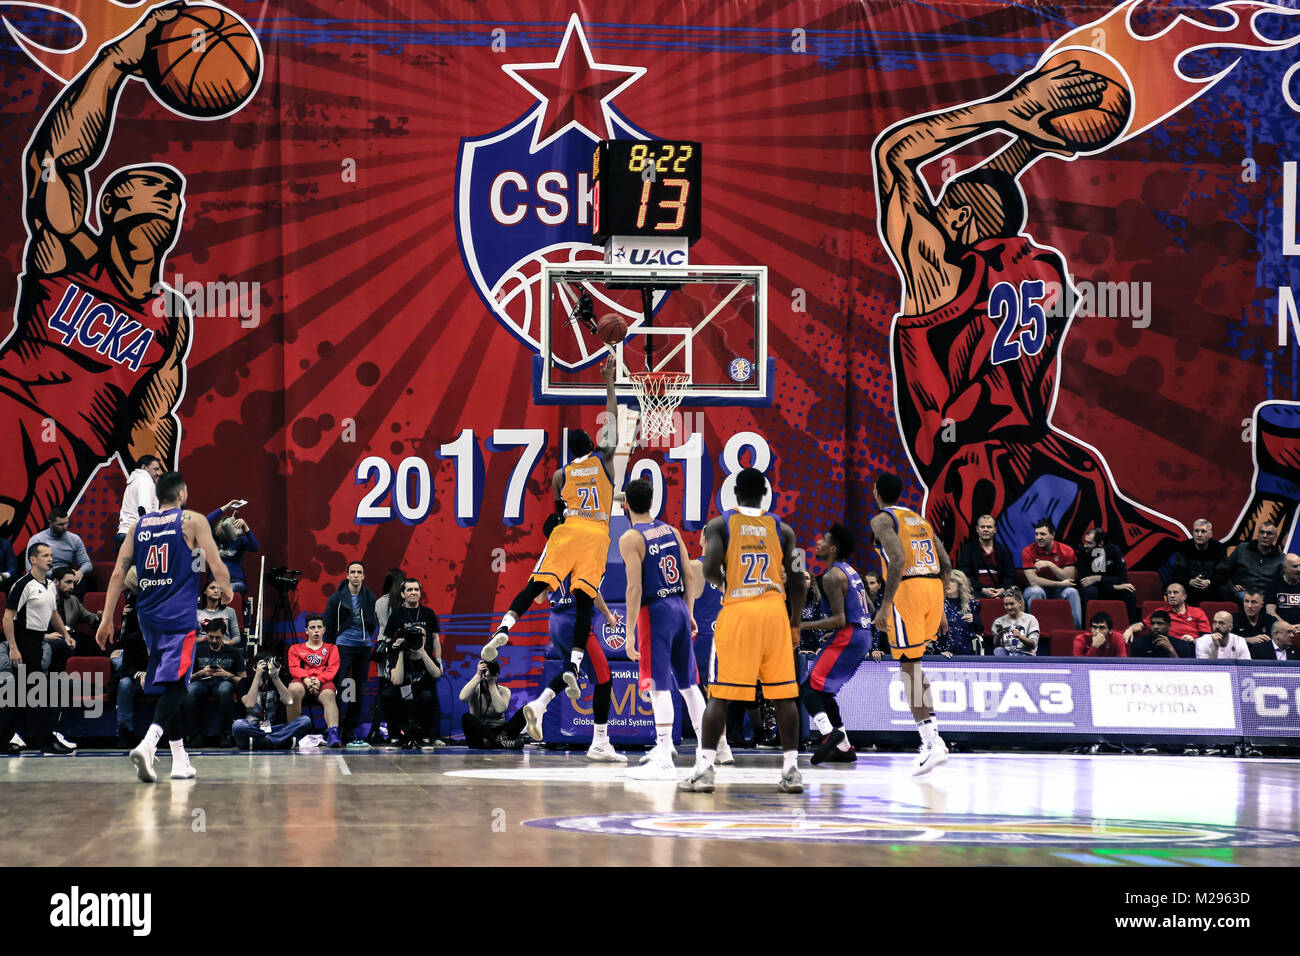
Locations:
(752, 645)
(918, 609)
(575, 549)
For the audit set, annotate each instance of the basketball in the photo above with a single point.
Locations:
(1089, 130)
(611, 329)
(204, 63)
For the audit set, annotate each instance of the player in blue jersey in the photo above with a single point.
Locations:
(162, 547)
(847, 612)
(660, 579)
(592, 662)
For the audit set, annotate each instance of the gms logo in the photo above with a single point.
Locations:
(925, 828)
(523, 193)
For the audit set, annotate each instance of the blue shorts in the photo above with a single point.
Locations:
(663, 630)
(837, 661)
(171, 656)
(594, 663)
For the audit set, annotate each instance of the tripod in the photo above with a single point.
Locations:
(284, 614)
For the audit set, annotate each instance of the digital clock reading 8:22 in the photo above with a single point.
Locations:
(646, 188)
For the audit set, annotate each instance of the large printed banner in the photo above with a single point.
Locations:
(1085, 697)
(1036, 257)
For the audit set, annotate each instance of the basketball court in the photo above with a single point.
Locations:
(457, 807)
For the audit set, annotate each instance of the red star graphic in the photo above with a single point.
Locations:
(574, 89)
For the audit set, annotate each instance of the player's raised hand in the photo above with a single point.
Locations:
(608, 368)
(1063, 88)
(130, 50)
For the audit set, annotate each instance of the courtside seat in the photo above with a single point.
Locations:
(1117, 610)
(1053, 614)
(1061, 643)
(1147, 585)
(1212, 608)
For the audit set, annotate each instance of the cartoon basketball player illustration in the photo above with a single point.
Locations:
(95, 364)
(975, 346)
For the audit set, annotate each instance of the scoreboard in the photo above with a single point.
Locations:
(646, 188)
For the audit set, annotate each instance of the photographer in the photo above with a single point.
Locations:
(265, 702)
(217, 668)
(313, 667)
(485, 725)
(409, 666)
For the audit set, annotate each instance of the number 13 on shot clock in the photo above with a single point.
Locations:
(646, 188)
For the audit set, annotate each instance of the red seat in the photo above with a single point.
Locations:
(1061, 643)
(1148, 607)
(1117, 610)
(990, 610)
(1022, 582)
(1147, 585)
(100, 572)
(1053, 614)
(89, 667)
(94, 601)
(1212, 608)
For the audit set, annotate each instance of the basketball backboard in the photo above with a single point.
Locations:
(709, 322)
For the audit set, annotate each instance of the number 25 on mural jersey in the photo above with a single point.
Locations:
(1022, 323)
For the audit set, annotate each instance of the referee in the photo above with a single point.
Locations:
(31, 613)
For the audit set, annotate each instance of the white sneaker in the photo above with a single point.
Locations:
(571, 685)
(930, 757)
(604, 752)
(533, 719)
(64, 740)
(15, 739)
(652, 755)
(183, 771)
(489, 652)
(142, 757)
(725, 757)
(660, 768)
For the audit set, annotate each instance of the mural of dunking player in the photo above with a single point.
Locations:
(976, 345)
(94, 367)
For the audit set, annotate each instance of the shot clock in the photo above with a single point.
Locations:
(646, 188)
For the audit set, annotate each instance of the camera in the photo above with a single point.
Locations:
(412, 635)
(284, 578)
(492, 668)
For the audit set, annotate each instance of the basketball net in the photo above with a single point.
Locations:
(659, 394)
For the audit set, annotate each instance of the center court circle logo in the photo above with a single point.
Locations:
(929, 828)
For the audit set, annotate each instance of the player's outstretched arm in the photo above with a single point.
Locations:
(207, 546)
(796, 591)
(632, 547)
(69, 141)
(125, 558)
(882, 526)
(835, 585)
(714, 552)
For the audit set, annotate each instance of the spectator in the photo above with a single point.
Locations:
(1252, 622)
(263, 726)
(810, 641)
(1015, 633)
(67, 547)
(210, 607)
(1151, 640)
(1102, 574)
(132, 667)
(1049, 568)
(1282, 600)
(1102, 641)
(30, 613)
(485, 725)
(8, 562)
(140, 498)
(874, 588)
(409, 695)
(217, 667)
(234, 538)
(963, 615)
(1196, 565)
(350, 623)
(1186, 623)
(1221, 643)
(1254, 564)
(74, 616)
(312, 668)
(987, 562)
(1279, 647)
(413, 613)
(392, 596)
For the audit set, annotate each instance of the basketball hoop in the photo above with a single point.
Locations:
(659, 394)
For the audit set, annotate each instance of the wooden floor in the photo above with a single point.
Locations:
(337, 808)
